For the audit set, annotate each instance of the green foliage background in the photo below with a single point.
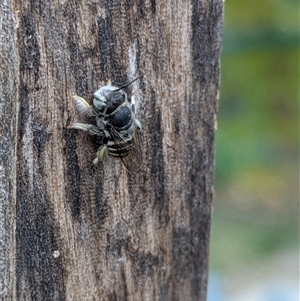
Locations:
(257, 148)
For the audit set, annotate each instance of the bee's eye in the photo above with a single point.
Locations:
(115, 99)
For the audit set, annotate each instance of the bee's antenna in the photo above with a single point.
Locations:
(126, 85)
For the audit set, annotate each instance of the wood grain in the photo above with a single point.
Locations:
(70, 231)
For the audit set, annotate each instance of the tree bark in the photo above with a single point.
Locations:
(69, 231)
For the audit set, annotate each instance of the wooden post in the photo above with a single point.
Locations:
(69, 231)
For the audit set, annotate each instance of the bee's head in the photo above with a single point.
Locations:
(101, 97)
(109, 97)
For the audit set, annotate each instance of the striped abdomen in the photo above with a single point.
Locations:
(120, 149)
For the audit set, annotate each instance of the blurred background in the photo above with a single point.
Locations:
(254, 252)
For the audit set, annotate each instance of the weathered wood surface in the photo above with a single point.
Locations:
(72, 232)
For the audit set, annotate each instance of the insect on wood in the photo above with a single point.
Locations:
(115, 124)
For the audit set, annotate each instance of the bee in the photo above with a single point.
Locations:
(115, 124)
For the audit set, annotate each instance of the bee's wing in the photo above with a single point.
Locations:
(133, 160)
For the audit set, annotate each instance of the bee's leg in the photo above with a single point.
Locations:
(132, 102)
(100, 154)
(93, 130)
(138, 125)
(101, 124)
(82, 106)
